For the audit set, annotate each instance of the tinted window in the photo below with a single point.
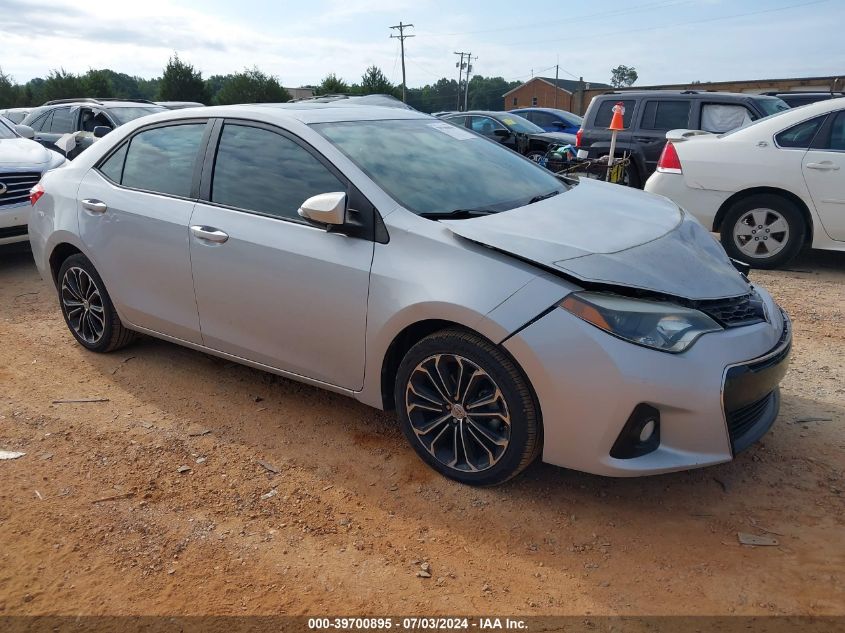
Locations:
(63, 122)
(460, 121)
(485, 125)
(605, 113)
(266, 172)
(543, 119)
(42, 124)
(430, 167)
(837, 133)
(113, 167)
(665, 115)
(162, 159)
(801, 135)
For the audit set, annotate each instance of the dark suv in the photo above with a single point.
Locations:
(66, 116)
(798, 99)
(649, 114)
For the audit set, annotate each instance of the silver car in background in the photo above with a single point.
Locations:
(503, 312)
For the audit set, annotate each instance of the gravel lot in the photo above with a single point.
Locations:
(97, 519)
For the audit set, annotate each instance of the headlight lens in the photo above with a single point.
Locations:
(657, 324)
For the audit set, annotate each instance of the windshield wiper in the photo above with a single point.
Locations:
(544, 196)
(457, 213)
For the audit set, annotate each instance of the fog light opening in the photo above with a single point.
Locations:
(640, 435)
(648, 430)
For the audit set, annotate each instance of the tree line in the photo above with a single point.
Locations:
(180, 81)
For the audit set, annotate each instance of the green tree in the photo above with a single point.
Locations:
(374, 81)
(180, 82)
(623, 76)
(251, 86)
(332, 85)
(61, 84)
(97, 84)
(9, 91)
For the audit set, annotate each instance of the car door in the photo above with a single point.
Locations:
(134, 211)
(272, 287)
(823, 167)
(658, 117)
(488, 126)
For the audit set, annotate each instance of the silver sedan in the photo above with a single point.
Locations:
(503, 312)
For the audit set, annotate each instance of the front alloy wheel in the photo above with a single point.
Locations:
(466, 408)
(458, 413)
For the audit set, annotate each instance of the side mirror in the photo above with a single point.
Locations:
(325, 208)
(25, 131)
(501, 133)
(101, 130)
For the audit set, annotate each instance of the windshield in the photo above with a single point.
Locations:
(517, 124)
(757, 122)
(430, 166)
(771, 105)
(7, 128)
(124, 115)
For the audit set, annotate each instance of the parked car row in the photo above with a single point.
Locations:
(649, 114)
(511, 130)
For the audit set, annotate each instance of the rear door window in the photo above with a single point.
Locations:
(837, 133)
(485, 125)
(262, 171)
(665, 115)
(605, 112)
(63, 122)
(161, 160)
(800, 136)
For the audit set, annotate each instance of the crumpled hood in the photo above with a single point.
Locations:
(22, 152)
(609, 234)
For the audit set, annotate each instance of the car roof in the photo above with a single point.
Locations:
(538, 109)
(304, 112)
(692, 94)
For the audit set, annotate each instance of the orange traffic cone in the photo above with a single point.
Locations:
(616, 123)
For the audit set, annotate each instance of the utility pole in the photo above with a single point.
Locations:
(402, 37)
(469, 70)
(557, 70)
(460, 66)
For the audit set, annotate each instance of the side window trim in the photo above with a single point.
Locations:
(373, 225)
(198, 159)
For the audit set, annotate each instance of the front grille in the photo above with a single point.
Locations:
(17, 185)
(742, 420)
(734, 312)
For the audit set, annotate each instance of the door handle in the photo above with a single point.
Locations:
(209, 234)
(94, 206)
(825, 166)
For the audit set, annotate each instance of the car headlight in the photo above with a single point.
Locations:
(659, 325)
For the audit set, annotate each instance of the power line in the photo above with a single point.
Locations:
(661, 4)
(402, 37)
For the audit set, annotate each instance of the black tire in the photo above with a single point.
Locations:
(740, 213)
(514, 397)
(535, 155)
(113, 334)
(631, 178)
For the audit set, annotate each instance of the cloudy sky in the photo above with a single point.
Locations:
(300, 42)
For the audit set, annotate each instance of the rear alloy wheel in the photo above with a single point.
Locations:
(466, 409)
(765, 231)
(87, 307)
